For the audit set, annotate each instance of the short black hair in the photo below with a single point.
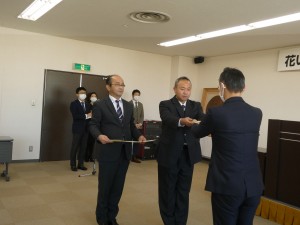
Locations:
(80, 89)
(109, 79)
(90, 94)
(233, 79)
(136, 91)
(180, 79)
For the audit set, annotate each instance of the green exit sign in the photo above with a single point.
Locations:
(82, 67)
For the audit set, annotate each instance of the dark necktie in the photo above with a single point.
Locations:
(83, 106)
(119, 111)
(136, 111)
(183, 108)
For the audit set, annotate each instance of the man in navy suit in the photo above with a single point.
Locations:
(112, 123)
(178, 151)
(81, 111)
(234, 176)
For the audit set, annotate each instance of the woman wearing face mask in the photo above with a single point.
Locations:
(81, 113)
(92, 98)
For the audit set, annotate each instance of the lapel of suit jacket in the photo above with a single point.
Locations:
(80, 106)
(178, 107)
(188, 108)
(111, 108)
(126, 107)
(132, 103)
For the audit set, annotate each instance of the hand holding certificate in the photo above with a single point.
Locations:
(196, 121)
(187, 121)
(126, 141)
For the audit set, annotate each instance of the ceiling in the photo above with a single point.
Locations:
(107, 22)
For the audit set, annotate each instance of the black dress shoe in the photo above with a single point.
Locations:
(100, 223)
(134, 159)
(73, 168)
(82, 168)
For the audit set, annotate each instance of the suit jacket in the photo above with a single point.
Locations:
(105, 121)
(80, 124)
(173, 137)
(234, 167)
(138, 114)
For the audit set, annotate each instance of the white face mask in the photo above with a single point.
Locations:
(82, 97)
(136, 98)
(221, 91)
(93, 99)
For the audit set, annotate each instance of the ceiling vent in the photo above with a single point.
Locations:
(149, 17)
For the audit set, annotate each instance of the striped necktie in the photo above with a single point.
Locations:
(83, 106)
(119, 111)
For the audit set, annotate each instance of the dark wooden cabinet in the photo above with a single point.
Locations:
(152, 131)
(282, 172)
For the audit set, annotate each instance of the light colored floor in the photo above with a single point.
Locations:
(48, 193)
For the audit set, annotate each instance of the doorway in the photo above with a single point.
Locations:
(59, 92)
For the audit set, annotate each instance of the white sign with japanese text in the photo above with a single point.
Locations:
(289, 59)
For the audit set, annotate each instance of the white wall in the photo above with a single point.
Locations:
(185, 66)
(276, 93)
(24, 56)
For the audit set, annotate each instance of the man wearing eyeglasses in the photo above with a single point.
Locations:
(112, 123)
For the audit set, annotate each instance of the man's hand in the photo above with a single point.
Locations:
(187, 121)
(89, 115)
(139, 125)
(142, 139)
(104, 139)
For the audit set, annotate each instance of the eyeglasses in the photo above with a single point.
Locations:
(119, 85)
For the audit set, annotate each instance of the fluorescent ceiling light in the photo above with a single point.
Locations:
(37, 9)
(276, 21)
(223, 32)
(236, 29)
(180, 41)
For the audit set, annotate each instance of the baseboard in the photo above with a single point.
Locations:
(25, 160)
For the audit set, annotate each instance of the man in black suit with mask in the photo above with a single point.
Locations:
(112, 120)
(81, 111)
(178, 151)
(234, 176)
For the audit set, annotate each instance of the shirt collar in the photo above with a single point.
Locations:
(182, 103)
(113, 99)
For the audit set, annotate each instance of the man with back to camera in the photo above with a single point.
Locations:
(178, 151)
(81, 112)
(112, 120)
(234, 176)
(138, 115)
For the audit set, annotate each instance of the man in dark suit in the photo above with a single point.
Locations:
(112, 122)
(81, 111)
(234, 176)
(178, 151)
(138, 115)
